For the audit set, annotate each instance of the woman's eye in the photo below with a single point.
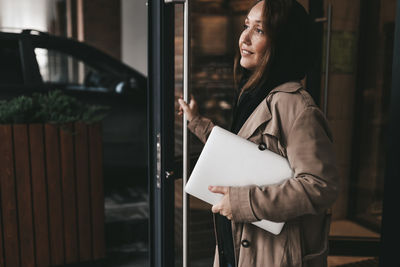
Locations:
(245, 26)
(259, 31)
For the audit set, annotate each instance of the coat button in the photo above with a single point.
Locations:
(245, 243)
(262, 146)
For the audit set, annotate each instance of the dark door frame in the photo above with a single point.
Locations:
(390, 222)
(316, 10)
(160, 132)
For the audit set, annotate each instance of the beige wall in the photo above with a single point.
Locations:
(134, 34)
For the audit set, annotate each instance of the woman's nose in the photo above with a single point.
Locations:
(247, 37)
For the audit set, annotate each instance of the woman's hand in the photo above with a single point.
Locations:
(191, 110)
(224, 206)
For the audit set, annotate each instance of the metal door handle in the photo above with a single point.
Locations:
(328, 53)
(174, 1)
(327, 56)
(186, 48)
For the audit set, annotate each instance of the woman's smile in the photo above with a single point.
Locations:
(246, 53)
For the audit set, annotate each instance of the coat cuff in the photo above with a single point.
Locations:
(239, 198)
(194, 123)
(201, 127)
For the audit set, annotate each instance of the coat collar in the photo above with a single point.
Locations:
(262, 112)
(288, 87)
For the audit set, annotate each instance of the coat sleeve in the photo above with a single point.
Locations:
(201, 127)
(314, 186)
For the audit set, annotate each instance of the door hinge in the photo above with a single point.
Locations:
(158, 175)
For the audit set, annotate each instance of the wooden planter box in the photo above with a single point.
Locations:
(52, 200)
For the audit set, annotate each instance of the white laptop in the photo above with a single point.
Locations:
(230, 160)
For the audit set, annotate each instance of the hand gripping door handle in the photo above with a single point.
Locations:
(186, 47)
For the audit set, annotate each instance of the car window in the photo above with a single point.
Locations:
(10, 63)
(57, 67)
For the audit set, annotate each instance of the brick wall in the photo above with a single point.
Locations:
(97, 22)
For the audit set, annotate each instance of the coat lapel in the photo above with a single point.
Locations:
(260, 115)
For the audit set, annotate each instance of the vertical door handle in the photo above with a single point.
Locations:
(327, 58)
(186, 48)
(327, 19)
(174, 1)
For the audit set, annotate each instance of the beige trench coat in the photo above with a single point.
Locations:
(289, 123)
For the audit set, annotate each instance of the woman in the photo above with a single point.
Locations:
(273, 108)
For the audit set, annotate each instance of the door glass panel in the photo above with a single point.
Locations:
(215, 29)
(76, 194)
(358, 104)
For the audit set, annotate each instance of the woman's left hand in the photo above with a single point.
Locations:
(224, 206)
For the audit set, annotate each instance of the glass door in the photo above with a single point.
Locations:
(358, 105)
(214, 31)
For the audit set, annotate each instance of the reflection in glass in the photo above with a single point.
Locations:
(60, 68)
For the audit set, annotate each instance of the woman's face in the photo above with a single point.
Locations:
(253, 40)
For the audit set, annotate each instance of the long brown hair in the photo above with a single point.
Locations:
(286, 24)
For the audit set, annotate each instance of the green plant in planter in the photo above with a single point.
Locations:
(50, 164)
(53, 107)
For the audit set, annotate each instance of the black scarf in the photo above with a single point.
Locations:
(248, 102)
(251, 98)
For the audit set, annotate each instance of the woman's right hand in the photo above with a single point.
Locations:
(191, 110)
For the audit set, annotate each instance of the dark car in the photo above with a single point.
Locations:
(33, 61)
